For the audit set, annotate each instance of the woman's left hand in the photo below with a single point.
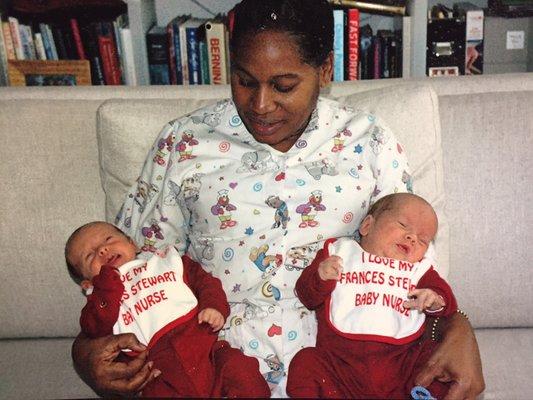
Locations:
(455, 360)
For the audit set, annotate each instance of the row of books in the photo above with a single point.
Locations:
(106, 44)
(189, 51)
(192, 51)
(358, 53)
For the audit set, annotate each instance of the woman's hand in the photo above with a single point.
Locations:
(96, 362)
(455, 360)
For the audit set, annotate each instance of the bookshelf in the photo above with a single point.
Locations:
(142, 14)
(161, 12)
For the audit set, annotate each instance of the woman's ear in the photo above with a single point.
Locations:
(326, 71)
(366, 225)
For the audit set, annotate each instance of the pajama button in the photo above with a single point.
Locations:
(103, 304)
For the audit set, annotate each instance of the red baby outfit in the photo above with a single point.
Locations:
(193, 363)
(373, 359)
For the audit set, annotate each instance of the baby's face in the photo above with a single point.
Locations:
(403, 232)
(98, 245)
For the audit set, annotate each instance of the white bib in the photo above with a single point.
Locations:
(366, 303)
(155, 298)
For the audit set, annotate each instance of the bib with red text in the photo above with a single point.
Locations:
(155, 298)
(366, 303)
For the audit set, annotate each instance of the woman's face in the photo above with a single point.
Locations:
(274, 91)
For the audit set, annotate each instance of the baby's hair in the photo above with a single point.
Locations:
(309, 22)
(73, 269)
(390, 201)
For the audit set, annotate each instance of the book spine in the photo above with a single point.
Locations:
(177, 53)
(216, 51)
(74, 26)
(4, 77)
(10, 49)
(193, 56)
(338, 45)
(172, 56)
(377, 57)
(59, 42)
(39, 46)
(15, 36)
(108, 53)
(26, 37)
(385, 54)
(48, 41)
(157, 46)
(184, 56)
(116, 24)
(130, 75)
(365, 47)
(90, 41)
(204, 63)
(352, 48)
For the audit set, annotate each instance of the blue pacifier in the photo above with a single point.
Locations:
(421, 393)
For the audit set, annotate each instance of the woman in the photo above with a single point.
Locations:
(251, 187)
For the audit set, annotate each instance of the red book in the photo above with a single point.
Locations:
(352, 44)
(109, 54)
(77, 38)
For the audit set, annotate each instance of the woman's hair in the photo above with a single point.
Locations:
(308, 22)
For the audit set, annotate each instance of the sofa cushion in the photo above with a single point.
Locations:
(49, 175)
(127, 129)
(488, 176)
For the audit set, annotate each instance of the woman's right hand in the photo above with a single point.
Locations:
(97, 362)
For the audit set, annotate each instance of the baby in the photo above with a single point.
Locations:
(370, 299)
(173, 307)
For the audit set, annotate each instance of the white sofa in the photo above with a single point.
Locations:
(53, 176)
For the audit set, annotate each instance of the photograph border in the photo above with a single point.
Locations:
(18, 69)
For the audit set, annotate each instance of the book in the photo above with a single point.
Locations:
(59, 41)
(48, 42)
(129, 70)
(365, 52)
(395, 54)
(215, 32)
(28, 46)
(15, 37)
(175, 50)
(204, 58)
(386, 39)
(92, 51)
(157, 49)
(188, 33)
(117, 23)
(4, 76)
(351, 44)
(377, 44)
(388, 7)
(39, 46)
(108, 52)
(74, 26)
(10, 50)
(338, 45)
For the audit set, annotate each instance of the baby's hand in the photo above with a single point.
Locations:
(424, 300)
(330, 268)
(211, 316)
